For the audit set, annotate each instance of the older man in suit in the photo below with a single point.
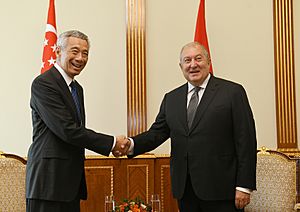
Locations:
(55, 178)
(213, 138)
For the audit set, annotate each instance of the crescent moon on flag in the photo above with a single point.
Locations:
(50, 28)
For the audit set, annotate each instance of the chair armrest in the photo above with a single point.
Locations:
(297, 207)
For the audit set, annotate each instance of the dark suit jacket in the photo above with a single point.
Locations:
(219, 151)
(55, 166)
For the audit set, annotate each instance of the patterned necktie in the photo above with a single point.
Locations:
(191, 110)
(76, 100)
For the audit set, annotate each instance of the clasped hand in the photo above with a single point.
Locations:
(122, 146)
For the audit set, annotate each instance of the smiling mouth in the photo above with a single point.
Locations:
(194, 72)
(78, 66)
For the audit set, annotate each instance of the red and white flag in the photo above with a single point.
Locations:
(49, 55)
(200, 32)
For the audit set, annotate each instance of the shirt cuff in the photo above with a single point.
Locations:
(114, 144)
(245, 190)
(131, 148)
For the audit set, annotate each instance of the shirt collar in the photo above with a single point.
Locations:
(67, 79)
(203, 85)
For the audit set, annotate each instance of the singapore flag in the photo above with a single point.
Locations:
(49, 55)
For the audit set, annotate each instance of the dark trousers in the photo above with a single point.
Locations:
(191, 203)
(37, 205)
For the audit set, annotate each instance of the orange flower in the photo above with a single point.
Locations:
(132, 205)
(136, 210)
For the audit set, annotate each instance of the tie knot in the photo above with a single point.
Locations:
(197, 89)
(72, 85)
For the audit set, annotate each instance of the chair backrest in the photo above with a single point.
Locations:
(12, 183)
(276, 183)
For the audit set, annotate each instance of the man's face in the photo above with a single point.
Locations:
(194, 65)
(73, 57)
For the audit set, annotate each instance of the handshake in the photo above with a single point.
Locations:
(122, 146)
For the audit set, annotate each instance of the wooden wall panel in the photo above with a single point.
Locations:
(163, 184)
(100, 182)
(138, 181)
(127, 178)
(140, 177)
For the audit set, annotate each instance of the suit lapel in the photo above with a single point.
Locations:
(64, 89)
(181, 103)
(208, 95)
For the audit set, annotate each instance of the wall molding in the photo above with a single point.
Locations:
(286, 117)
(136, 67)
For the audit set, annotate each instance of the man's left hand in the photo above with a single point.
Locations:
(241, 199)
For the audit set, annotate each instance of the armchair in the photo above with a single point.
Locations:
(276, 183)
(12, 182)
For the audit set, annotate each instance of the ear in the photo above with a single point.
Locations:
(180, 65)
(58, 51)
(208, 61)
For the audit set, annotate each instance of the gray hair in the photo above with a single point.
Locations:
(195, 45)
(62, 39)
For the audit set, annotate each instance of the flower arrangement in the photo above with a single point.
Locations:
(136, 205)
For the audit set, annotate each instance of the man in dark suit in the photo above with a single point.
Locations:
(55, 178)
(213, 138)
